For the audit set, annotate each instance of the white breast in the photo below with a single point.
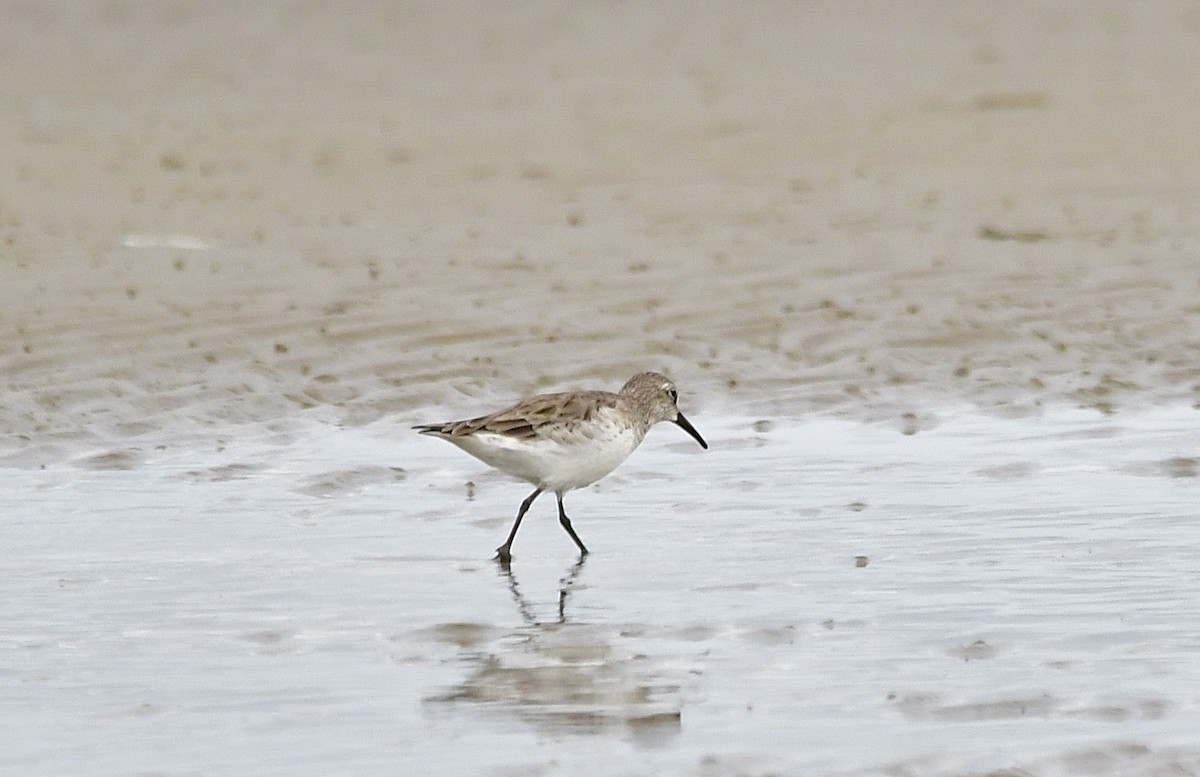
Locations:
(569, 458)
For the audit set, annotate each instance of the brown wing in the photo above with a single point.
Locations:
(526, 419)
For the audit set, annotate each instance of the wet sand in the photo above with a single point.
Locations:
(925, 273)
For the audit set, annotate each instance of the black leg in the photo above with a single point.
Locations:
(504, 552)
(566, 524)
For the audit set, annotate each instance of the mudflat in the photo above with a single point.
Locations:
(926, 276)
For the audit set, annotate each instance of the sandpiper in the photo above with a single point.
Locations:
(559, 442)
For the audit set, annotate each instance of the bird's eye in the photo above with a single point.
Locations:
(673, 394)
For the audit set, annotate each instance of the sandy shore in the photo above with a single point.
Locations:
(217, 212)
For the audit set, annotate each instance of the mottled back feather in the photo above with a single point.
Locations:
(527, 419)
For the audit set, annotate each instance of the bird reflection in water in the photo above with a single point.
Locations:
(565, 584)
(559, 674)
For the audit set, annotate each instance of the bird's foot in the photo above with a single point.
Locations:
(503, 557)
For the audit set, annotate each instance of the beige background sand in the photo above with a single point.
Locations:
(224, 212)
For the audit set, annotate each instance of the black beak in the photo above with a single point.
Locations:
(687, 427)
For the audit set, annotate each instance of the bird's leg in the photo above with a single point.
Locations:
(566, 524)
(503, 553)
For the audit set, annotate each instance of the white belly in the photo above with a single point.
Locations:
(555, 465)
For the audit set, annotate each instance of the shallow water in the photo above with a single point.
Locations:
(925, 274)
(989, 593)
